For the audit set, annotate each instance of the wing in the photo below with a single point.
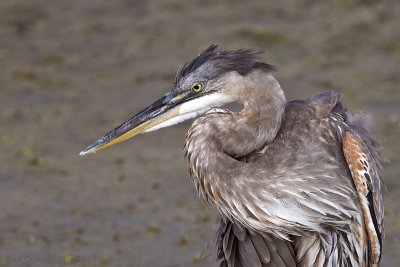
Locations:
(237, 246)
(362, 154)
(364, 168)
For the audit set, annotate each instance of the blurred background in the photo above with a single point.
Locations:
(72, 70)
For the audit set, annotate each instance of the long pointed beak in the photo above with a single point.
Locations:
(162, 110)
(170, 109)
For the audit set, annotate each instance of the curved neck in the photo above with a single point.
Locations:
(215, 140)
(240, 133)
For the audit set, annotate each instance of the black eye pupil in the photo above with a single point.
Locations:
(196, 87)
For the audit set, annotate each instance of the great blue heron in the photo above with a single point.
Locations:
(296, 183)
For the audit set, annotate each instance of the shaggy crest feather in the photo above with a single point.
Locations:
(242, 61)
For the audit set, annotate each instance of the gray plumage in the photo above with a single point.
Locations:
(296, 183)
(292, 191)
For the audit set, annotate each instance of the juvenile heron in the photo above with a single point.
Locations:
(296, 183)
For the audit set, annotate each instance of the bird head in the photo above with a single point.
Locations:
(212, 79)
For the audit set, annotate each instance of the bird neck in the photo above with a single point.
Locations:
(267, 104)
(241, 133)
(217, 139)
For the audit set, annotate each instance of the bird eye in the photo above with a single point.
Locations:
(197, 87)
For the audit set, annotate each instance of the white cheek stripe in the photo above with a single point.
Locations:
(204, 102)
(194, 108)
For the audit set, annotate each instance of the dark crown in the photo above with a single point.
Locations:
(241, 61)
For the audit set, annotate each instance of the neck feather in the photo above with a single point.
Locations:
(216, 139)
(240, 133)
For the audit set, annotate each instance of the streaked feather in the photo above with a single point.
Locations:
(278, 170)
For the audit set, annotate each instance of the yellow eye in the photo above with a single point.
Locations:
(197, 87)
